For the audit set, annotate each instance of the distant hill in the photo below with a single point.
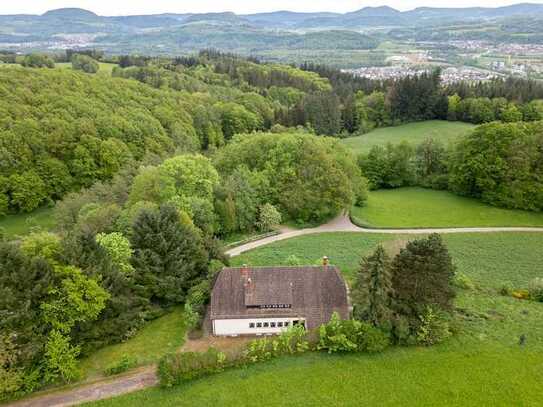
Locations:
(173, 33)
(428, 13)
(227, 17)
(71, 13)
(285, 18)
(383, 11)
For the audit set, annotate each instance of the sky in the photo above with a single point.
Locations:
(131, 7)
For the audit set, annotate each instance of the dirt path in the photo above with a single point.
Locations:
(147, 376)
(343, 224)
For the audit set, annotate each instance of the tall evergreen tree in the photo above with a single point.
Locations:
(422, 274)
(169, 255)
(372, 292)
(24, 284)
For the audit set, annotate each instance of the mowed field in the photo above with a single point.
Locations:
(23, 223)
(483, 364)
(414, 133)
(419, 207)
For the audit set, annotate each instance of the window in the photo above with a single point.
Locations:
(259, 324)
(272, 324)
(286, 323)
(266, 325)
(279, 324)
(295, 322)
(251, 324)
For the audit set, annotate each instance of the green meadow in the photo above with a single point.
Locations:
(414, 133)
(419, 207)
(23, 223)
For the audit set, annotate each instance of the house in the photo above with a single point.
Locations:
(267, 300)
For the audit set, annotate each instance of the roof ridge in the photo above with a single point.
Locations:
(278, 266)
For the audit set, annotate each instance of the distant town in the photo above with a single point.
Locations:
(448, 75)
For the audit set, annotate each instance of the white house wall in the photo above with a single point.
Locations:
(233, 327)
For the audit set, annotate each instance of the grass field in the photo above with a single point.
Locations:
(419, 207)
(482, 365)
(22, 224)
(413, 133)
(158, 337)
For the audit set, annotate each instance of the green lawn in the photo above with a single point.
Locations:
(414, 133)
(22, 224)
(158, 337)
(419, 207)
(483, 365)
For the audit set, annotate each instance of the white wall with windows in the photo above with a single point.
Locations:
(253, 326)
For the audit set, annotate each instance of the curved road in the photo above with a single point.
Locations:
(147, 377)
(343, 224)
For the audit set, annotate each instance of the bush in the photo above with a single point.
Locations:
(434, 327)
(351, 336)
(126, 362)
(461, 280)
(268, 218)
(506, 289)
(536, 289)
(38, 61)
(371, 339)
(291, 341)
(176, 368)
(84, 63)
(401, 331)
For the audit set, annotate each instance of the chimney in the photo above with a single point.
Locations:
(325, 261)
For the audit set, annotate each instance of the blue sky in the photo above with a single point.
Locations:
(127, 7)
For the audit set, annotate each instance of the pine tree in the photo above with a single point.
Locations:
(373, 289)
(169, 255)
(422, 274)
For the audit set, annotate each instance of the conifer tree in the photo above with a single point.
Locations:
(169, 255)
(373, 289)
(422, 274)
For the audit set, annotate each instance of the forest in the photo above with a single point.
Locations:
(62, 131)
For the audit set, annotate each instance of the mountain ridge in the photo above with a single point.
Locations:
(522, 8)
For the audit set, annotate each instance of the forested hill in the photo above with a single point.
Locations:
(62, 130)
